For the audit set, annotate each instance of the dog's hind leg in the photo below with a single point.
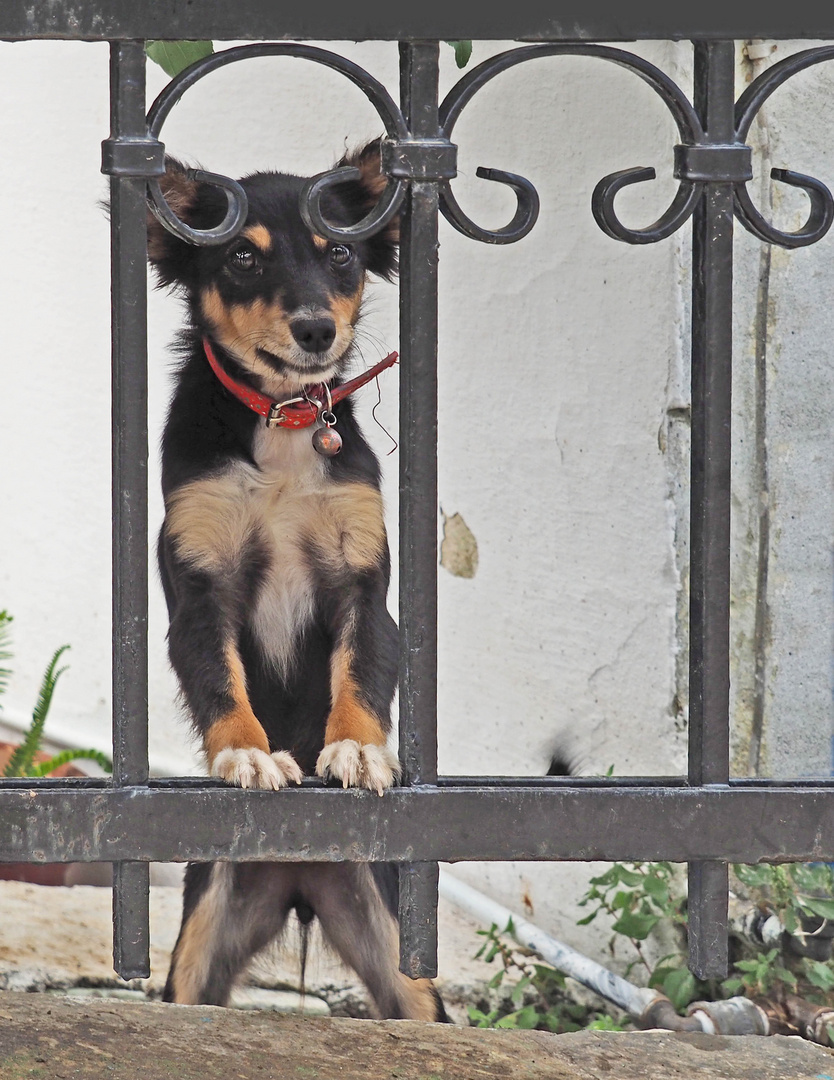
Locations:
(357, 921)
(230, 912)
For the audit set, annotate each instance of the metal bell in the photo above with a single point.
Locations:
(327, 441)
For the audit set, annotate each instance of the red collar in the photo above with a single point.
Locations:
(297, 412)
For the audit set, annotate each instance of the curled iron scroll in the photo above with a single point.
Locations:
(680, 107)
(311, 211)
(602, 207)
(376, 93)
(821, 214)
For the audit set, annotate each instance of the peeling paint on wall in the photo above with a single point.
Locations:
(459, 548)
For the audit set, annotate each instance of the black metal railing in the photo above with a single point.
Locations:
(706, 820)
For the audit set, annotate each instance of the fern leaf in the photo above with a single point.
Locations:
(46, 767)
(22, 760)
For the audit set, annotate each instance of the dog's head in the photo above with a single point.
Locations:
(281, 300)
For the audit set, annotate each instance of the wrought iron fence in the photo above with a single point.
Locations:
(707, 819)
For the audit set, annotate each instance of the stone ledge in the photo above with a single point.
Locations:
(46, 1036)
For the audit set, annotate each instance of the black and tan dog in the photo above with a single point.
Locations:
(275, 565)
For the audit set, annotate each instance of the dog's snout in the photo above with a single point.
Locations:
(314, 334)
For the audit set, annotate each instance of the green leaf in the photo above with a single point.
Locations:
(732, 986)
(525, 1018)
(480, 1019)
(756, 876)
(610, 877)
(518, 990)
(819, 974)
(628, 877)
(679, 986)
(635, 925)
(784, 975)
(463, 52)
(605, 1023)
(824, 908)
(175, 56)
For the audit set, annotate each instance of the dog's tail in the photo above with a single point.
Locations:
(305, 917)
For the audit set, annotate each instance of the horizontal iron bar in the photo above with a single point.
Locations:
(655, 783)
(588, 20)
(173, 823)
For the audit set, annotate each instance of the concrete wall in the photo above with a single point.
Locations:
(570, 635)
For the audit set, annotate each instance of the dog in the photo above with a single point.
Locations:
(275, 564)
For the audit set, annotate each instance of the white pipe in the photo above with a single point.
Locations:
(633, 999)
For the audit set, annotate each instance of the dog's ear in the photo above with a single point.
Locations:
(197, 204)
(364, 194)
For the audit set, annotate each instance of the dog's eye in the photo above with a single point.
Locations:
(340, 254)
(243, 259)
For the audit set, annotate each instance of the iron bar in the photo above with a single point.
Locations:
(603, 20)
(418, 497)
(62, 822)
(131, 927)
(130, 489)
(418, 919)
(709, 596)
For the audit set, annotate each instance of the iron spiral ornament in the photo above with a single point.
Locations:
(390, 115)
(698, 159)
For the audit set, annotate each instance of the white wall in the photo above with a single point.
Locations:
(563, 383)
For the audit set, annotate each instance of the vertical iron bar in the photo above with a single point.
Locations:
(131, 955)
(709, 664)
(418, 499)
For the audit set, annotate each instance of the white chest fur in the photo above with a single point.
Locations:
(287, 509)
(290, 481)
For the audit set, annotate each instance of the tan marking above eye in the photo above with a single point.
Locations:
(260, 237)
(320, 242)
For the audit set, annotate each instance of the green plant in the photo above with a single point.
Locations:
(23, 759)
(537, 994)
(641, 898)
(638, 898)
(801, 895)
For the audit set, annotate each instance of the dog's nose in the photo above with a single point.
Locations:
(314, 335)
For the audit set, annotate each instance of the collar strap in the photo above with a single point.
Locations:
(297, 412)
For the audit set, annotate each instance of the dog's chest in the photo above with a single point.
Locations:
(286, 497)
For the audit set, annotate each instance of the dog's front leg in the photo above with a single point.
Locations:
(363, 671)
(202, 643)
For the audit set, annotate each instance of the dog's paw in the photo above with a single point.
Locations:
(252, 768)
(358, 765)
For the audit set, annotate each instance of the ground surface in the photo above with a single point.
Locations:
(57, 938)
(55, 1037)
